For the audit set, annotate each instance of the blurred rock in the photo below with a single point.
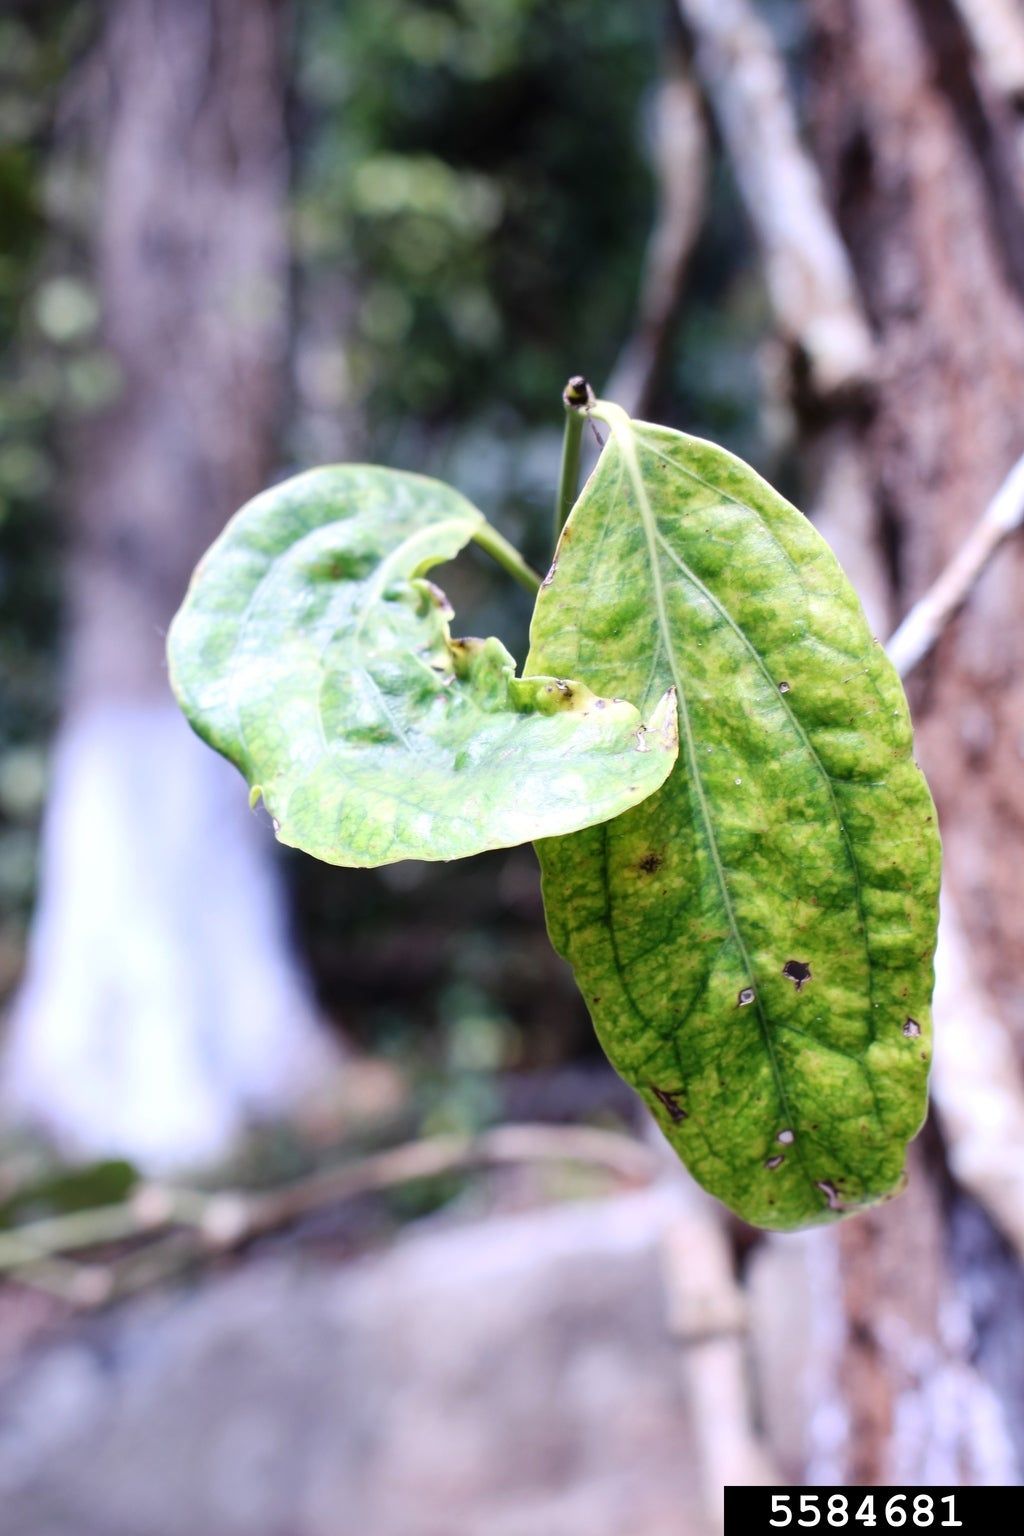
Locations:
(506, 1378)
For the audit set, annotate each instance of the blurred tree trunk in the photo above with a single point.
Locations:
(920, 148)
(922, 156)
(882, 1348)
(161, 1003)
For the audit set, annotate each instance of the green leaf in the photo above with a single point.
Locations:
(755, 941)
(312, 653)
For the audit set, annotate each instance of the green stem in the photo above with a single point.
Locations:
(507, 556)
(578, 397)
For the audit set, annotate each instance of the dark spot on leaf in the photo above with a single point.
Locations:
(774, 1162)
(650, 862)
(786, 1138)
(671, 1103)
(798, 972)
(783, 687)
(831, 1194)
(911, 1029)
(746, 996)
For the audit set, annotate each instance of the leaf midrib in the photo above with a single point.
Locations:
(625, 438)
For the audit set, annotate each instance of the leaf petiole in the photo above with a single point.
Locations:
(507, 556)
(578, 397)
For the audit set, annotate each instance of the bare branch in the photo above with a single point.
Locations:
(621, 1156)
(681, 166)
(220, 1222)
(929, 616)
(808, 272)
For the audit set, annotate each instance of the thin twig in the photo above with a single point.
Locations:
(929, 616)
(218, 1223)
(149, 1211)
(623, 1157)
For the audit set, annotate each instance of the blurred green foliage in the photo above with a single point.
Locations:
(477, 167)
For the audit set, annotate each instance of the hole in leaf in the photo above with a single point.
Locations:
(671, 1103)
(831, 1194)
(797, 971)
(911, 1029)
(774, 1162)
(745, 998)
(783, 687)
(787, 1138)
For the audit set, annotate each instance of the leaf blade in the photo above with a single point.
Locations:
(312, 653)
(690, 922)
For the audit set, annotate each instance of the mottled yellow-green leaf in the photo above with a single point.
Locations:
(755, 941)
(312, 653)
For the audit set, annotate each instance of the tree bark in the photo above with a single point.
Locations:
(920, 159)
(161, 1003)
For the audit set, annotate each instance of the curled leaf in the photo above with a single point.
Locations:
(312, 652)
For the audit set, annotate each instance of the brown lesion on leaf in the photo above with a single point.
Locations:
(670, 1102)
(650, 863)
(436, 595)
(798, 972)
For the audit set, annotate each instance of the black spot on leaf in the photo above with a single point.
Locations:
(798, 972)
(671, 1103)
